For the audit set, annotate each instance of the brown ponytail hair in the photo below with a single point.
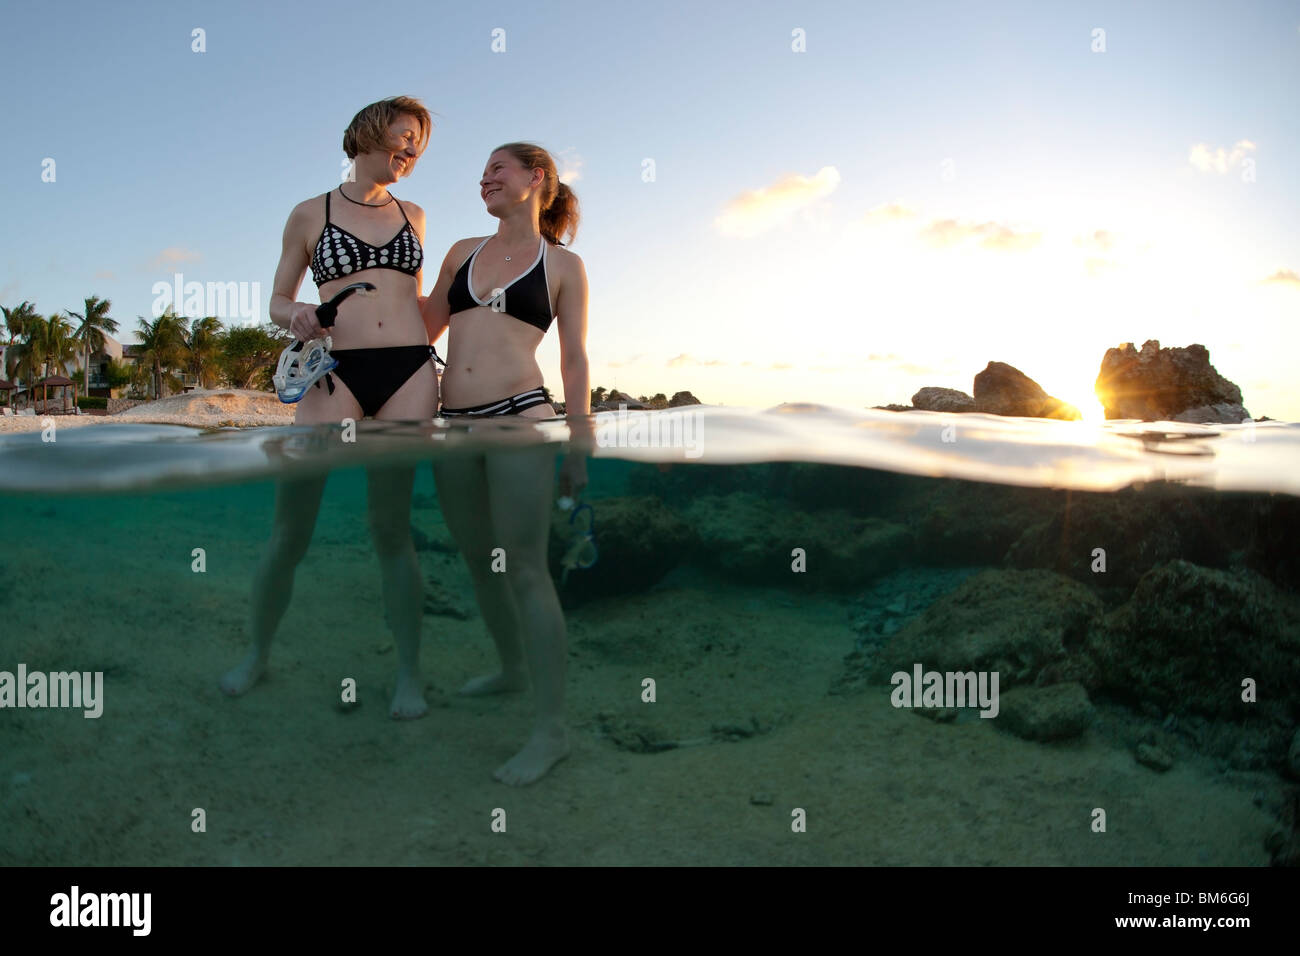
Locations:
(559, 206)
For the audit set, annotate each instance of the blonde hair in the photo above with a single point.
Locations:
(368, 131)
(559, 208)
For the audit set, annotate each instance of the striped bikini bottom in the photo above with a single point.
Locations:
(505, 406)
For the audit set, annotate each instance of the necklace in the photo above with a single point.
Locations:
(372, 205)
(507, 257)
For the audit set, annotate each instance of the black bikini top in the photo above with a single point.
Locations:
(339, 253)
(526, 298)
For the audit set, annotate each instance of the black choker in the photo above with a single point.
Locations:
(371, 205)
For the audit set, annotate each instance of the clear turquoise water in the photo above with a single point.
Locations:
(975, 551)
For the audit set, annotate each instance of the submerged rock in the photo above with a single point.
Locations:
(638, 541)
(752, 540)
(1003, 390)
(1133, 531)
(1283, 842)
(943, 400)
(1149, 755)
(1189, 636)
(971, 523)
(1018, 623)
(1057, 712)
(439, 602)
(940, 715)
(1156, 384)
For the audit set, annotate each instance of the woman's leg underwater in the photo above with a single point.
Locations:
(389, 512)
(520, 490)
(462, 495)
(296, 505)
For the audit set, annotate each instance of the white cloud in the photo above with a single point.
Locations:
(891, 212)
(172, 255)
(1219, 160)
(1099, 240)
(755, 212)
(1285, 277)
(685, 359)
(570, 166)
(991, 235)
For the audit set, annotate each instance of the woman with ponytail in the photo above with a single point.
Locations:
(497, 297)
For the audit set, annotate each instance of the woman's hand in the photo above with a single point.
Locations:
(573, 475)
(302, 322)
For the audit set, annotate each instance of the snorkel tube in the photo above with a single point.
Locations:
(327, 312)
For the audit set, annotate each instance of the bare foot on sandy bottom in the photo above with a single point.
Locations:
(240, 679)
(408, 699)
(545, 748)
(494, 684)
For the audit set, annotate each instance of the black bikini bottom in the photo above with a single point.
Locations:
(505, 406)
(373, 376)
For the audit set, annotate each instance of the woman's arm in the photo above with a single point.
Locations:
(435, 310)
(299, 318)
(416, 215)
(571, 310)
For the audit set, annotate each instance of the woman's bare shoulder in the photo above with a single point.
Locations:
(309, 212)
(414, 211)
(566, 261)
(461, 248)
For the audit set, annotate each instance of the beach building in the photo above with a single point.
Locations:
(99, 359)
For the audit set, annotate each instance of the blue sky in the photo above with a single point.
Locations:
(925, 188)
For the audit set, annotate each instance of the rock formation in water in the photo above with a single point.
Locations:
(1172, 384)
(943, 400)
(999, 390)
(602, 402)
(1003, 390)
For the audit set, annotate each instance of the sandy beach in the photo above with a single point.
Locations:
(214, 408)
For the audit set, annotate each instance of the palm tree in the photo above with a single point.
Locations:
(58, 346)
(94, 323)
(24, 358)
(16, 320)
(204, 347)
(162, 344)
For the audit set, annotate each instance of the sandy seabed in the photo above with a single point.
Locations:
(284, 775)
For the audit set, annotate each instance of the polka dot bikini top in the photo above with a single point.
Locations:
(339, 253)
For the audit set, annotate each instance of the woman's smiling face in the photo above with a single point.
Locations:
(398, 160)
(506, 182)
